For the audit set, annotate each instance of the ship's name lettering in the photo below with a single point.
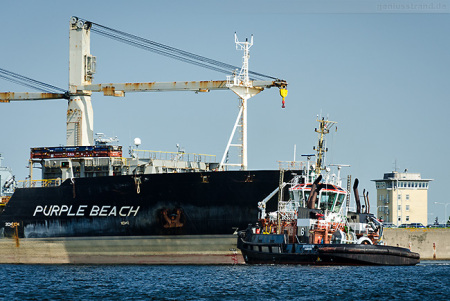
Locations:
(85, 210)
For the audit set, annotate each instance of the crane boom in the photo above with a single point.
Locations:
(23, 96)
(118, 89)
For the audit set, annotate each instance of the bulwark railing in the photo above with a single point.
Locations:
(39, 183)
(175, 156)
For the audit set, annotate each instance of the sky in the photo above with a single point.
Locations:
(378, 68)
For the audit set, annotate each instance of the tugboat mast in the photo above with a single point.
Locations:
(324, 128)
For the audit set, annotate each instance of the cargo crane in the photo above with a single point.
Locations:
(82, 67)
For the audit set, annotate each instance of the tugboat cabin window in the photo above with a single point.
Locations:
(306, 196)
(327, 200)
(339, 201)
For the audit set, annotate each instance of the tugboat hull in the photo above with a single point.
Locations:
(274, 251)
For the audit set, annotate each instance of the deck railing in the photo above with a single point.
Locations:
(39, 183)
(291, 165)
(175, 156)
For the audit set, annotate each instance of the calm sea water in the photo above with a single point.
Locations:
(429, 280)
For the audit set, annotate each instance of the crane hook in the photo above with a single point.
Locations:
(283, 94)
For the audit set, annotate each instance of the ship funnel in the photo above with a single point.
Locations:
(355, 191)
(314, 191)
(365, 201)
(368, 204)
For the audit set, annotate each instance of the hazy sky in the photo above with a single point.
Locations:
(378, 68)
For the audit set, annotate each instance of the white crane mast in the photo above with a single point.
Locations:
(80, 115)
(242, 86)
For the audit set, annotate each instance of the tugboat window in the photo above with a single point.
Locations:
(306, 193)
(291, 195)
(340, 200)
(327, 200)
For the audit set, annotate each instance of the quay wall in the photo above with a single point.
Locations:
(201, 249)
(430, 243)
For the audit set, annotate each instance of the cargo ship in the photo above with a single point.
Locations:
(93, 192)
(92, 204)
(97, 195)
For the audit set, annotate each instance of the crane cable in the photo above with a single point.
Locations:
(139, 42)
(155, 50)
(29, 82)
(169, 51)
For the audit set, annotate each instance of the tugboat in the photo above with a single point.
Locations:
(314, 226)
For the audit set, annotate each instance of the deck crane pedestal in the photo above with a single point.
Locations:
(82, 67)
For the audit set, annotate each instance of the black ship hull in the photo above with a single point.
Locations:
(151, 204)
(272, 249)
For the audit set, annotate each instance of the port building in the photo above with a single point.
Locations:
(402, 198)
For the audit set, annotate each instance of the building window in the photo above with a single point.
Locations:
(407, 197)
(381, 185)
(399, 207)
(399, 197)
(399, 219)
(407, 207)
(407, 218)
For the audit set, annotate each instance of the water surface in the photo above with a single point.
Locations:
(429, 280)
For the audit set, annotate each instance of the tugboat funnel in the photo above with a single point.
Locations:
(355, 191)
(314, 191)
